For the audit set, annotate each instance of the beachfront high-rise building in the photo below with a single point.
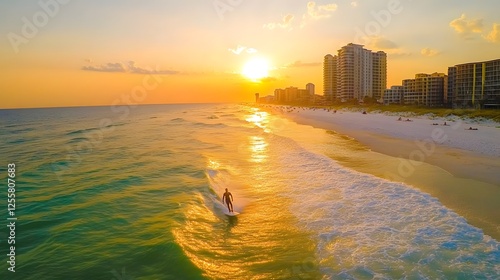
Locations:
(379, 82)
(394, 95)
(310, 88)
(294, 95)
(475, 84)
(355, 73)
(330, 77)
(355, 68)
(426, 89)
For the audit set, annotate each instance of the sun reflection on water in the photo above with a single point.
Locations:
(258, 148)
(257, 144)
(260, 119)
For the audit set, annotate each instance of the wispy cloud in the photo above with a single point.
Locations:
(429, 52)
(286, 23)
(129, 67)
(322, 11)
(381, 43)
(494, 35)
(315, 12)
(137, 70)
(108, 67)
(299, 63)
(354, 3)
(465, 27)
(239, 49)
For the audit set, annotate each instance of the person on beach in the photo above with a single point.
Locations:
(228, 197)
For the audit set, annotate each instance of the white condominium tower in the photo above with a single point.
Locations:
(330, 77)
(354, 72)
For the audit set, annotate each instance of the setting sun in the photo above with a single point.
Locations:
(256, 68)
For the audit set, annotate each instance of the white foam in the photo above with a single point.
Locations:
(366, 226)
(219, 180)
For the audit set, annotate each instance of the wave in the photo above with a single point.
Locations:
(77, 139)
(178, 120)
(212, 125)
(116, 124)
(91, 129)
(219, 180)
(81, 131)
(21, 130)
(17, 141)
(364, 225)
(14, 125)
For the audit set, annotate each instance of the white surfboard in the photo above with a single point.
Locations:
(231, 214)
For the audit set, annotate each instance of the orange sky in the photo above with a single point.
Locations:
(91, 53)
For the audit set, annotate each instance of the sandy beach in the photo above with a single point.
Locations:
(452, 162)
(446, 142)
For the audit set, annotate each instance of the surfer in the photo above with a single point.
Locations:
(228, 197)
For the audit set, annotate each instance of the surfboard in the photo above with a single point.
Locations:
(231, 214)
(224, 209)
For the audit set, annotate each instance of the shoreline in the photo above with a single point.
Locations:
(437, 145)
(462, 175)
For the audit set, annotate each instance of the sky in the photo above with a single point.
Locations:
(57, 53)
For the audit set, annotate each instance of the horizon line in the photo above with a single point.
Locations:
(121, 105)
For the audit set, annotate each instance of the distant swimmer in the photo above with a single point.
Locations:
(228, 197)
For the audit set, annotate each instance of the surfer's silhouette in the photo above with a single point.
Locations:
(228, 197)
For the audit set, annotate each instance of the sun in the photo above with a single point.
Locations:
(256, 69)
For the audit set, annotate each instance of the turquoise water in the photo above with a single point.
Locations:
(132, 193)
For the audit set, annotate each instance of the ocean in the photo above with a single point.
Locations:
(133, 193)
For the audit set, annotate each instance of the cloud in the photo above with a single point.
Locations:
(465, 26)
(354, 3)
(494, 35)
(108, 67)
(137, 70)
(299, 63)
(285, 23)
(239, 49)
(380, 43)
(129, 67)
(315, 12)
(429, 52)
